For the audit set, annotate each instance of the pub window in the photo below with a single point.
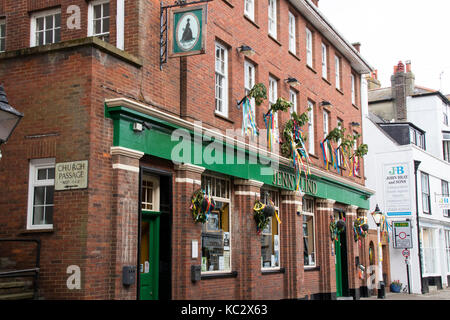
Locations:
(45, 27)
(99, 18)
(216, 233)
(309, 250)
(270, 236)
(40, 194)
(150, 193)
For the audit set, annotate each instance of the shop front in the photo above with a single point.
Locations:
(228, 257)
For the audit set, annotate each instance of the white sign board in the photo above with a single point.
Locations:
(71, 175)
(402, 234)
(397, 184)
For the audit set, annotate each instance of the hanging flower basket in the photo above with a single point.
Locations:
(340, 225)
(201, 206)
(262, 214)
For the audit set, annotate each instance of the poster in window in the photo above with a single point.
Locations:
(226, 241)
(212, 225)
(187, 31)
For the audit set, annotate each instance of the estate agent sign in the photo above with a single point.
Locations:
(397, 184)
(188, 31)
(71, 175)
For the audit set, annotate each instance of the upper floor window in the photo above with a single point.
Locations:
(273, 96)
(40, 194)
(293, 100)
(249, 81)
(273, 18)
(311, 133)
(2, 35)
(326, 125)
(98, 19)
(45, 27)
(337, 69)
(221, 80)
(446, 146)
(324, 61)
(249, 9)
(425, 183)
(353, 84)
(444, 111)
(270, 236)
(309, 48)
(292, 34)
(417, 137)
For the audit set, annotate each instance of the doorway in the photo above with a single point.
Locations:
(155, 250)
(341, 257)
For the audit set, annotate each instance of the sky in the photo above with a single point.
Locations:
(398, 30)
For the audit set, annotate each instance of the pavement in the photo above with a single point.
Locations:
(435, 294)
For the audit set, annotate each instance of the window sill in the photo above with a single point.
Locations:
(272, 271)
(294, 55)
(274, 39)
(221, 116)
(311, 68)
(355, 106)
(326, 80)
(314, 156)
(30, 231)
(312, 268)
(219, 275)
(340, 91)
(251, 21)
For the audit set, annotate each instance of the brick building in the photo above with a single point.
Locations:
(87, 76)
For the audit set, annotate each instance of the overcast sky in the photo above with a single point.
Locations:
(394, 30)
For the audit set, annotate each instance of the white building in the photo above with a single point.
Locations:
(404, 124)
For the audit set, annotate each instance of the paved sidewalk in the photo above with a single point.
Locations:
(443, 294)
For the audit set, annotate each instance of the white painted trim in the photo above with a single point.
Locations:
(291, 202)
(247, 193)
(125, 167)
(188, 180)
(131, 153)
(189, 167)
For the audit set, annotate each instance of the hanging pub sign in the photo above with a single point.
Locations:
(187, 31)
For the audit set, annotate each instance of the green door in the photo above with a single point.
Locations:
(337, 249)
(149, 263)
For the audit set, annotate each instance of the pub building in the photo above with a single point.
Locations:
(137, 135)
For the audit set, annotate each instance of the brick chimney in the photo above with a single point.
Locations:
(372, 80)
(402, 85)
(316, 2)
(357, 46)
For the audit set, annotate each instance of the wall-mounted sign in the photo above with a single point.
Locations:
(402, 234)
(443, 201)
(397, 195)
(187, 31)
(287, 181)
(71, 175)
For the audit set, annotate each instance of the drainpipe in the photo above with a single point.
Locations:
(416, 167)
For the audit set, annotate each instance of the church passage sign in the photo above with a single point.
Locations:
(188, 31)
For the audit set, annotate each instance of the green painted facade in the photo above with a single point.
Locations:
(169, 141)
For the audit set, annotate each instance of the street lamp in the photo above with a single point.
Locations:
(377, 216)
(9, 118)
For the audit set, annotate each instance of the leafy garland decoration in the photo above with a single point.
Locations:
(280, 105)
(262, 214)
(201, 206)
(360, 229)
(259, 93)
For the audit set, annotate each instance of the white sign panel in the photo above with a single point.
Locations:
(443, 202)
(397, 184)
(71, 175)
(402, 234)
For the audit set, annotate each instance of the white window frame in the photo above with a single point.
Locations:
(35, 165)
(272, 18)
(249, 82)
(43, 14)
(445, 187)
(446, 150)
(326, 123)
(311, 131)
(227, 199)
(155, 193)
(3, 38)
(425, 191)
(337, 68)
(309, 48)
(224, 75)
(91, 31)
(429, 251)
(447, 248)
(353, 86)
(276, 203)
(249, 9)
(310, 214)
(292, 33)
(293, 100)
(324, 61)
(273, 96)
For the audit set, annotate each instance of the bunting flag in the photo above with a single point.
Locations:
(270, 127)
(299, 153)
(248, 119)
(329, 155)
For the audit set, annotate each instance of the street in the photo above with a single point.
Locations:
(443, 294)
